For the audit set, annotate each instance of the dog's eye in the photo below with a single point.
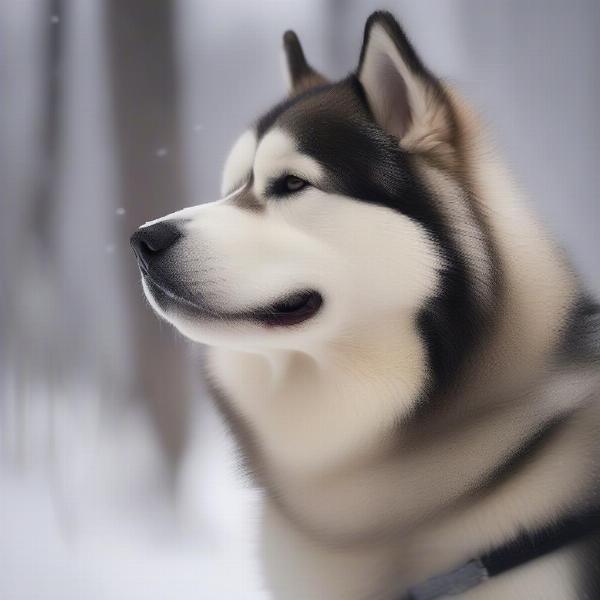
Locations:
(286, 185)
(292, 183)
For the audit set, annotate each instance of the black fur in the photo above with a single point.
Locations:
(561, 533)
(266, 121)
(581, 338)
(589, 569)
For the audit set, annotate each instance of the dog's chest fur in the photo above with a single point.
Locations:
(352, 510)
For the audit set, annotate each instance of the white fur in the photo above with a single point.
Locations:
(239, 162)
(192, 212)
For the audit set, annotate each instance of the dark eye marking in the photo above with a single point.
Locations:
(286, 185)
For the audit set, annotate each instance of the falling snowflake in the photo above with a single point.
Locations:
(54, 19)
(160, 152)
(109, 248)
(120, 211)
(198, 127)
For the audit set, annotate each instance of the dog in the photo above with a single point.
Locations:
(408, 362)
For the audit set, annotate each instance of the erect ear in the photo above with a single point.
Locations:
(301, 76)
(407, 101)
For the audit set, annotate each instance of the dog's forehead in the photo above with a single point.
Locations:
(305, 119)
(337, 102)
(333, 125)
(330, 125)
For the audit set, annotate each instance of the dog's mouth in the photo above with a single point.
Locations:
(292, 309)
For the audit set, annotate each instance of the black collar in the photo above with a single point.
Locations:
(526, 547)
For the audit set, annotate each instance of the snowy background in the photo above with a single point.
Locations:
(117, 479)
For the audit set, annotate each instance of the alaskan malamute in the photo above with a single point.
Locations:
(407, 360)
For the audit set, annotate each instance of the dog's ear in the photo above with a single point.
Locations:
(301, 76)
(406, 100)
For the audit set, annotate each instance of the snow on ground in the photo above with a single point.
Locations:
(85, 513)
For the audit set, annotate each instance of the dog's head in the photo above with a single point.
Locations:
(335, 216)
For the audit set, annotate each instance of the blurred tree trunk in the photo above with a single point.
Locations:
(36, 351)
(143, 74)
(45, 194)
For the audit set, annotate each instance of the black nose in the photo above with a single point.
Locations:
(148, 242)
